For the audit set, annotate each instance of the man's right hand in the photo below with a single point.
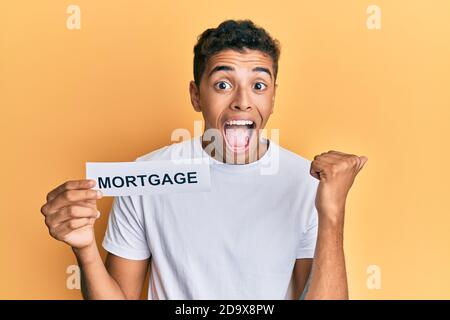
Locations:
(71, 211)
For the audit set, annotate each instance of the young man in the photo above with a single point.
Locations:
(253, 236)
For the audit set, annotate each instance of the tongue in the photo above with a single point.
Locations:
(237, 137)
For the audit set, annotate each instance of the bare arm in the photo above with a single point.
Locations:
(336, 172)
(301, 273)
(328, 274)
(129, 274)
(117, 279)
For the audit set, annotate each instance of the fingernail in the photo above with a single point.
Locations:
(91, 182)
(99, 194)
(98, 215)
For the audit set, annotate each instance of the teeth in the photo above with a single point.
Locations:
(239, 122)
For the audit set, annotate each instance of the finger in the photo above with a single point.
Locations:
(91, 203)
(86, 203)
(338, 152)
(71, 212)
(71, 225)
(328, 158)
(70, 185)
(363, 160)
(317, 167)
(314, 174)
(70, 197)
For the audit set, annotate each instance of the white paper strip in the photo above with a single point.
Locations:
(149, 177)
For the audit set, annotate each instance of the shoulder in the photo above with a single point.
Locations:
(292, 159)
(297, 167)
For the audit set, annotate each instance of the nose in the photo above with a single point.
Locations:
(242, 101)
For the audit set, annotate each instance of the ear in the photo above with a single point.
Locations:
(195, 96)
(273, 97)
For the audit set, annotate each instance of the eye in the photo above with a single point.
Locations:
(260, 86)
(222, 85)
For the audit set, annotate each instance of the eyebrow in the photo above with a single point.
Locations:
(228, 68)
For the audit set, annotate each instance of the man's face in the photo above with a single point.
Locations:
(236, 96)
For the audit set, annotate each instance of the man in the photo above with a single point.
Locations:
(254, 235)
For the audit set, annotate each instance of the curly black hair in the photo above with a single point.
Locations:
(236, 35)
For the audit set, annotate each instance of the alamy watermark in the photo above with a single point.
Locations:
(73, 21)
(373, 281)
(212, 143)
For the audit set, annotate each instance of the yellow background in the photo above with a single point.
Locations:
(117, 88)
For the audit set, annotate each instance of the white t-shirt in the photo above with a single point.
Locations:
(238, 241)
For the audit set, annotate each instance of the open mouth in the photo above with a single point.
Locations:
(238, 134)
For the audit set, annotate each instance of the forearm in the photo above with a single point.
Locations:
(328, 274)
(96, 282)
